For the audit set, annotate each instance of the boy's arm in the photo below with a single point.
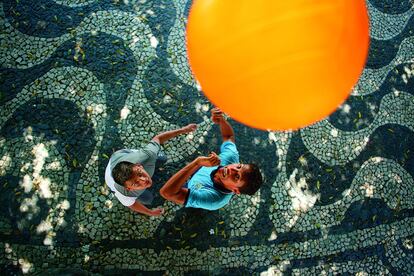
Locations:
(140, 208)
(165, 136)
(227, 132)
(173, 189)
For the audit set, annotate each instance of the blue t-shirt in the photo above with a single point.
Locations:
(202, 193)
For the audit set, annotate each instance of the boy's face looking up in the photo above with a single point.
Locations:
(232, 176)
(139, 179)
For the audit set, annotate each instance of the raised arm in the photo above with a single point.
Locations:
(165, 136)
(173, 189)
(227, 132)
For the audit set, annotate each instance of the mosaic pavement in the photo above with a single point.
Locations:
(82, 78)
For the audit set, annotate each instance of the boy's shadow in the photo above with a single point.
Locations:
(190, 226)
(161, 174)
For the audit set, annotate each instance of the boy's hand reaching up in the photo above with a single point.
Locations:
(189, 128)
(216, 115)
(212, 160)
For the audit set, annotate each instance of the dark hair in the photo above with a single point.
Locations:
(253, 180)
(122, 172)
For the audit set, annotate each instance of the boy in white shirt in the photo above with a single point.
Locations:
(129, 172)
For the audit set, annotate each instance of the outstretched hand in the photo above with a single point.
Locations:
(157, 212)
(212, 160)
(189, 128)
(216, 115)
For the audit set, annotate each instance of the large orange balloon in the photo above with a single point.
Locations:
(277, 64)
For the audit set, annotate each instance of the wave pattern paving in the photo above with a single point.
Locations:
(105, 75)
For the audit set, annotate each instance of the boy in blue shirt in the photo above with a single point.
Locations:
(210, 182)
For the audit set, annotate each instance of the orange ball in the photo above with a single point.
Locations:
(274, 64)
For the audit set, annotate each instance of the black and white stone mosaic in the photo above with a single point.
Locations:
(80, 79)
